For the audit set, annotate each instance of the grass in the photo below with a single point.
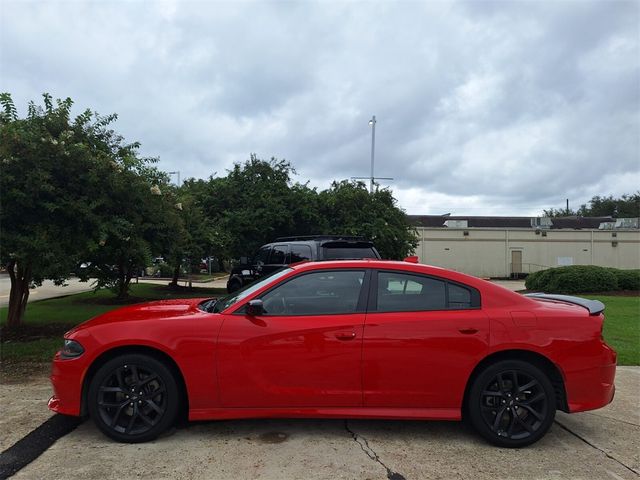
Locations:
(46, 320)
(621, 328)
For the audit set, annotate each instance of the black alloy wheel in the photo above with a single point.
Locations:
(133, 398)
(512, 403)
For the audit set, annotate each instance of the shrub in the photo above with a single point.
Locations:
(627, 279)
(537, 280)
(166, 270)
(573, 279)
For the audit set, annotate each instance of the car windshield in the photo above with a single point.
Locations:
(225, 302)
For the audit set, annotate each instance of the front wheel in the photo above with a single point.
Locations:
(133, 398)
(512, 403)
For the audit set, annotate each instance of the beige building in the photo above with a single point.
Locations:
(465, 244)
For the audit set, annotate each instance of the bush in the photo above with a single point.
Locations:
(537, 280)
(166, 270)
(573, 279)
(627, 279)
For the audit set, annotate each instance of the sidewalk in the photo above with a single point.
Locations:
(47, 290)
(218, 283)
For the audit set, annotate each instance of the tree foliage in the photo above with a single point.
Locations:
(52, 166)
(74, 191)
(258, 201)
(627, 206)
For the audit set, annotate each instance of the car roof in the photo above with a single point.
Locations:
(364, 263)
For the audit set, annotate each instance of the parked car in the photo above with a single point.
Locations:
(341, 339)
(287, 250)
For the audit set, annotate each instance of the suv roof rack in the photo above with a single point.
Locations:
(320, 237)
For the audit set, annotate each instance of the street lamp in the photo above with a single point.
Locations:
(372, 123)
(174, 173)
(372, 178)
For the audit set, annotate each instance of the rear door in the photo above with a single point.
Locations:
(423, 336)
(305, 351)
(279, 256)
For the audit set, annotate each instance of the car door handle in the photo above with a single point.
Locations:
(468, 331)
(344, 336)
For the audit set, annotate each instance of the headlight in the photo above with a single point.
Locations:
(71, 349)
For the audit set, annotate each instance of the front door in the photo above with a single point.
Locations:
(516, 263)
(304, 351)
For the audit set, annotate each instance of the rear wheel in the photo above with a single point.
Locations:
(133, 398)
(512, 403)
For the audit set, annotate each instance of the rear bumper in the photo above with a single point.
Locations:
(592, 388)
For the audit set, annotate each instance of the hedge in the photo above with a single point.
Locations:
(627, 279)
(583, 279)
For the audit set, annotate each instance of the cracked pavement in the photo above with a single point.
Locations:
(603, 444)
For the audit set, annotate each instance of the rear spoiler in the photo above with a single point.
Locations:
(594, 306)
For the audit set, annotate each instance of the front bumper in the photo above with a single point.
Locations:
(66, 380)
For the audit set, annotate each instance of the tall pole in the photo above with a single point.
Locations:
(174, 173)
(372, 122)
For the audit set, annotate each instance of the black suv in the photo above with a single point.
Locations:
(286, 250)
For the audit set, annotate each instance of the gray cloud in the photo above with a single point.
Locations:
(482, 107)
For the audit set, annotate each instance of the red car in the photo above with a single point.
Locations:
(349, 339)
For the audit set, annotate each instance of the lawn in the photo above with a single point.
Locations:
(47, 320)
(621, 328)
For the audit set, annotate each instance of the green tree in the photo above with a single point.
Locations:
(258, 201)
(52, 166)
(350, 209)
(138, 219)
(194, 238)
(627, 206)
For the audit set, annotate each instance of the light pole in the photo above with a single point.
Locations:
(372, 122)
(372, 178)
(174, 173)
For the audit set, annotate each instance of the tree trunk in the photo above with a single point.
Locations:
(123, 282)
(176, 275)
(19, 294)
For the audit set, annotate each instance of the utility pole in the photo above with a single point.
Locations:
(372, 178)
(174, 173)
(372, 122)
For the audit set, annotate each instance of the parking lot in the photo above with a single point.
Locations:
(603, 444)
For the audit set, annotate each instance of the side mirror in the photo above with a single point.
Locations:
(255, 308)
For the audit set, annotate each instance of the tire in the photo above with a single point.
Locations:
(133, 398)
(511, 403)
(234, 283)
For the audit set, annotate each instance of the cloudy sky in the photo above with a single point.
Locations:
(483, 108)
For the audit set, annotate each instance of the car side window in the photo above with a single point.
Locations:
(459, 297)
(403, 292)
(300, 253)
(262, 256)
(317, 293)
(279, 254)
(398, 292)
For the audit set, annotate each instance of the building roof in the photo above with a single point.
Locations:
(571, 222)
